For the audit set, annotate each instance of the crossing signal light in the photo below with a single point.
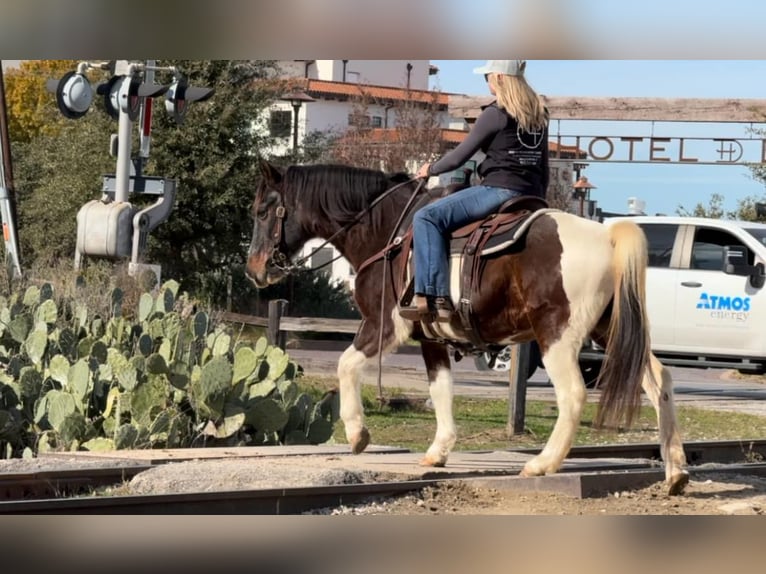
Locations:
(74, 94)
(125, 93)
(180, 94)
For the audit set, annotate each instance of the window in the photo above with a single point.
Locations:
(358, 120)
(660, 238)
(280, 123)
(463, 173)
(376, 122)
(707, 250)
(323, 257)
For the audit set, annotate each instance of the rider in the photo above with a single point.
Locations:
(512, 132)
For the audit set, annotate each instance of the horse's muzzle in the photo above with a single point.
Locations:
(263, 273)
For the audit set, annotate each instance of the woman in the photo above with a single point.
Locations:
(513, 133)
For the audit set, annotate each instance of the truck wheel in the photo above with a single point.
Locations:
(590, 371)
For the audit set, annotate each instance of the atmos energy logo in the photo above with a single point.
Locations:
(724, 306)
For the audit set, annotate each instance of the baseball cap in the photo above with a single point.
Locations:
(507, 67)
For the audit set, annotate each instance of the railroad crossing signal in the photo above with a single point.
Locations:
(180, 94)
(112, 227)
(130, 85)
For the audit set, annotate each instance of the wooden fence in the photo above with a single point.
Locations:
(278, 324)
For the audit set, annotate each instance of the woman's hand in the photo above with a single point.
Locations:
(423, 171)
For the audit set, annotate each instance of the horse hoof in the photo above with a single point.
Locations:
(433, 462)
(360, 442)
(528, 473)
(677, 483)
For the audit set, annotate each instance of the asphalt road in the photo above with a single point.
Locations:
(708, 388)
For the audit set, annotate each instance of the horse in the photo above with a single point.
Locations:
(573, 278)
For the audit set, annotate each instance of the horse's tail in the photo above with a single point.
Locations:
(627, 346)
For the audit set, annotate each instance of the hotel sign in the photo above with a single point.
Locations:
(653, 149)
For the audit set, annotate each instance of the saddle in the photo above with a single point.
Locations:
(496, 233)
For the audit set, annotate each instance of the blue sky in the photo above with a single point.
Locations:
(662, 187)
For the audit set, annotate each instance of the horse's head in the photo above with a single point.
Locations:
(277, 235)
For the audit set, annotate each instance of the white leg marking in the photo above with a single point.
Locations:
(351, 411)
(561, 365)
(660, 393)
(441, 391)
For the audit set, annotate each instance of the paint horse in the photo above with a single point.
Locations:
(573, 278)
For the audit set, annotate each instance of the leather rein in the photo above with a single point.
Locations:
(282, 262)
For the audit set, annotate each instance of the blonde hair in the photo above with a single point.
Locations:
(518, 98)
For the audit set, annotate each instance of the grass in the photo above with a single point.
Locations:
(481, 423)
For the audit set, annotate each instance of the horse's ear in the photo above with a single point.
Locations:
(271, 172)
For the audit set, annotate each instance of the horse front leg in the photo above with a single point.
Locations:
(351, 409)
(438, 368)
(353, 360)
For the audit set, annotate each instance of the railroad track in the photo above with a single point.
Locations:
(71, 491)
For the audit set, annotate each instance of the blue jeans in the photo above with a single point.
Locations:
(431, 224)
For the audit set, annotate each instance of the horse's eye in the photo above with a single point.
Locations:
(262, 215)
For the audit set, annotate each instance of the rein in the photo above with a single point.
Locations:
(281, 261)
(386, 264)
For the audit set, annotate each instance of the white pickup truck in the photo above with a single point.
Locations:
(705, 295)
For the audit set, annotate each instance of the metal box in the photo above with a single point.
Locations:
(105, 229)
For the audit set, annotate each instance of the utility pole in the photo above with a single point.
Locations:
(7, 193)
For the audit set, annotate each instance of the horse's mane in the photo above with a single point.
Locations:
(338, 192)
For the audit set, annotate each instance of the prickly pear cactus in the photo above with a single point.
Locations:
(216, 377)
(245, 361)
(168, 376)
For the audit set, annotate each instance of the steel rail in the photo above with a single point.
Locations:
(56, 491)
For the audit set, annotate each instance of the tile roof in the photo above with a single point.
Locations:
(344, 89)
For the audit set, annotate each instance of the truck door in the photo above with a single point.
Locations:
(664, 242)
(714, 310)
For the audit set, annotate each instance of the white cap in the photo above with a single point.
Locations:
(507, 67)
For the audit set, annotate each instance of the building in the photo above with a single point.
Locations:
(328, 95)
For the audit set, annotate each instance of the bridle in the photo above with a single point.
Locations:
(281, 261)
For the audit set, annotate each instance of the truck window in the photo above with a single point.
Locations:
(707, 249)
(660, 237)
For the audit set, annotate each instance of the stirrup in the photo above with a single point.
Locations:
(444, 309)
(417, 310)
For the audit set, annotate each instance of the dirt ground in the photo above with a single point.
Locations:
(724, 496)
(706, 494)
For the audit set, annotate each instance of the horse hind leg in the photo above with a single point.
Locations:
(561, 364)
(436, 357)
(658, 386)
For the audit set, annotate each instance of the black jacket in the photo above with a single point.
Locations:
(514, 160)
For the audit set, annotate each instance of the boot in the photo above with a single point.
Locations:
(417, 310)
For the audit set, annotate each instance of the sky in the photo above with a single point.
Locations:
(662, 187)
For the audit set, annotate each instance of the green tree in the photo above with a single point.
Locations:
(55, 175)
(213, 155)
(713, 210)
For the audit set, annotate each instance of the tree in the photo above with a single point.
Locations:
(28, 101)
(745, 211)
(213, 155)
(417, 136)
(55, 175)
